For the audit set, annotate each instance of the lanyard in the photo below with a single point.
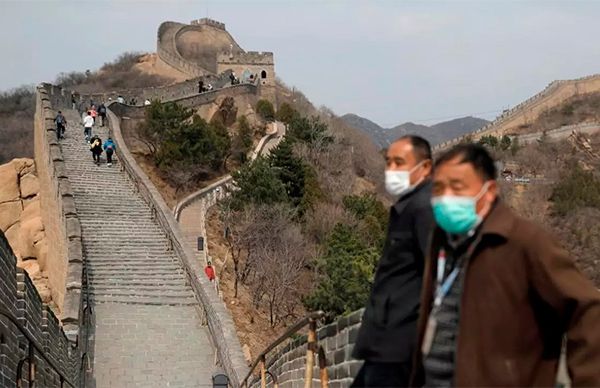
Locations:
(443, 286)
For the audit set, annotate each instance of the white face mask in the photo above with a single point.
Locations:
(397, 182)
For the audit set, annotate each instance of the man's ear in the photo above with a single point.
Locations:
(428, 168)
(492, 191)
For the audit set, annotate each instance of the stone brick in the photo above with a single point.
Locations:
(355, 317)
(342, 323)
(353, 334)
(354, 367)
(73, 228)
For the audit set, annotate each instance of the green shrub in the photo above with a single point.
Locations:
(489, 140)
(265, 109)
(286, 113)
(257, 183)
(242, 140)
(576, 189)
(311, 131)
(345, 274)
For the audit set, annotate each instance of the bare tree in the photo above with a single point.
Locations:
(279, 253)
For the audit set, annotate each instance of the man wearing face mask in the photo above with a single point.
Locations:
(499, 293)
(387, 337)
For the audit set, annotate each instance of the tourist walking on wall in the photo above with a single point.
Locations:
(94, 113)
(200, 86)
(147, 102)
(499, 294)
(102, 113)
(96, 148)
(120, 100)
(209, 271)
(109, 147)
(61, 122)
(88, 123)
(387, 337)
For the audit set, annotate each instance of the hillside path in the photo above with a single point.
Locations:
(147, 327)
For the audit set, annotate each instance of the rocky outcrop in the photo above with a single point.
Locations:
(224, 111)
(21, 221)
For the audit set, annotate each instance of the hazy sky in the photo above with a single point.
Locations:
(390, 61)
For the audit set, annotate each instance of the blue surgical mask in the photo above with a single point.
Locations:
(457, 214)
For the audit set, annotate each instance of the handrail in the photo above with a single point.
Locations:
(5, 313)
(312, 317)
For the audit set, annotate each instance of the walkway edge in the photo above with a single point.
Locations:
(220, 323)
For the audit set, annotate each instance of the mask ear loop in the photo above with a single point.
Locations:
(414, 169)
(483, 190)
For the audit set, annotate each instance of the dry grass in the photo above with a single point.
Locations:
(578, 231)
(575, 110)
(122, 73)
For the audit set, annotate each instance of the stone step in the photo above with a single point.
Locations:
(148, 283)
(146, 301)
(133, 276)
(135, 251)
(121, 270)
(108, 288)
(154, 244)
(126, 259)
(182, 293)
(126, 267)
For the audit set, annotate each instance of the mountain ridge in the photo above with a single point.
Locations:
(435, 134)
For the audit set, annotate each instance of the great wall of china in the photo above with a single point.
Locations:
(65, 218)
(527, 111)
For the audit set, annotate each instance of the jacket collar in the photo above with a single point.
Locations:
(403, 201)
(499, 221)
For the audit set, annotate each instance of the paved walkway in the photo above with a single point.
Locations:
(148, 332)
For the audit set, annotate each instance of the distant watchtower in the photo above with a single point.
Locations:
(205, 47)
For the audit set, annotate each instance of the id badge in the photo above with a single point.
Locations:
(429, 334)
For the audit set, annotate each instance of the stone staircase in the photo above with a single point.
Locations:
(148, 330)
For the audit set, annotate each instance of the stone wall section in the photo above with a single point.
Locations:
(529, 110)
(20, 300)
(61, 223)
(559, 133)
(171, 92)
(217, 316)
(288, 361)
(166, 48)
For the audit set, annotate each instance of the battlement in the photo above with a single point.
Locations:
(247, 58)
(208, 22)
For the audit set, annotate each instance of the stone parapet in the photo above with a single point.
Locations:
(65, 260)
(193, 101)
(247, 58)
(288, 362)
(178, 91)
(31, 331)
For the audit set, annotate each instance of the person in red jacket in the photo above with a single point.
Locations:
(209, 271)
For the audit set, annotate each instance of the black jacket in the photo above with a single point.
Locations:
(388, 330)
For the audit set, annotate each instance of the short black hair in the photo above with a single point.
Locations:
(421, 147)
(474, 154)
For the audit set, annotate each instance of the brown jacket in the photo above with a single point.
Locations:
(521, 294)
